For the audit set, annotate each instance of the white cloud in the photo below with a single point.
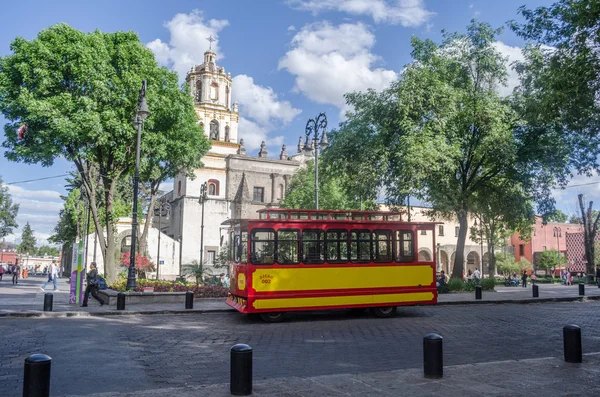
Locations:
(253, 135)
(329, 61)
(512, 54)
(36, 206)
(18, 192)
(291, 28)
(36, 220)
(261, 103)
(402, 12)
(187, 43)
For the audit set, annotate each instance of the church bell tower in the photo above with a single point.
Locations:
(211, 89)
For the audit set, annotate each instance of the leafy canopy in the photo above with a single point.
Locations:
(8, 212)
(28, 241)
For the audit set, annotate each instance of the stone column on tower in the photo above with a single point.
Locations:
(273, 187)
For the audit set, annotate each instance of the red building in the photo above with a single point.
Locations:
(544, 237)
(8, 257)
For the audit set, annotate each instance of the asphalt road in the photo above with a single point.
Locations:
(126, 353)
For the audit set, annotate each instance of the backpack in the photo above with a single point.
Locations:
(101, 283)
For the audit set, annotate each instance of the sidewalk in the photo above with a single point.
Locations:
(550, 376)
(27, 300)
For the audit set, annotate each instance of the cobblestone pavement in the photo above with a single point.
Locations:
(128, 353)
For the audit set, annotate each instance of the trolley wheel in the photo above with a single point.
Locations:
(272, 317)
(384, 311)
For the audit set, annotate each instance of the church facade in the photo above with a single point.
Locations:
(237, 184)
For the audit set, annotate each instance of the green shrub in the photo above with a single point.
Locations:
(456, 284)
(468, 285)
(487, 284)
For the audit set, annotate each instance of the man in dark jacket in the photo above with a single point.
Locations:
(92, 286)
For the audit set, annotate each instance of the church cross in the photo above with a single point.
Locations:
(210, 40)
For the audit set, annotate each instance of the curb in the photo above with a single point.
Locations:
(42, 314)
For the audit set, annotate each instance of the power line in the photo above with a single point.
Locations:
(35, 180)
(582, 184)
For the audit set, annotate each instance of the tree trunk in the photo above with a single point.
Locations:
(589, 232)
(109, 251)
(143, 241)
(459, 258)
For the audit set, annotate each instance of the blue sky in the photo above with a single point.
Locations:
(290, 60)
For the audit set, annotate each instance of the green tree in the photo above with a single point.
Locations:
(8, 212)
(506, 264)
(332, 195)
(560, 78)
(46, 250)
(194, 269)
(550, 260)
(590, 227)
(28, 241)
(557, 216)
(451, 136)
(76, 94)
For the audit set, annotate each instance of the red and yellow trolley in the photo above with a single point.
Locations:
(317, 259)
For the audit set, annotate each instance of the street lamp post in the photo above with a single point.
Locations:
(141, 114)
(166, 207)
(315, 127)
(202, 199)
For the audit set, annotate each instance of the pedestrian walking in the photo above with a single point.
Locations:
(476, 276)
(52, 277)
(2, 272)
(15, 272)
(524, 279)
(92, 286)
(597, 276)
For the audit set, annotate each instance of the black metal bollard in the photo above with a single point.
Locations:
(189, 300)
(572, 343)
(536, 291)
(240, 383)
(121, 301)
(478, 292)
(48, 298)
(582, 289)
(36, 381)
(433, 357)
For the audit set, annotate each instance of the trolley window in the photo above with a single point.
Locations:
(313, 249)
(318, 216)
(338, 216)
(288, 241)
(240, 247)
(360, 246)
(404, 246)
(298, 215)
(262, 246)
(382, 246)
(336, 246)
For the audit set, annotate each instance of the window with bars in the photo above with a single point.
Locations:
(313, 246)
(360, 246)
(263, 246)
(405, 251)
(337, 246)
(382, 246)
(440, 230)
(288, 241)
(258, 194)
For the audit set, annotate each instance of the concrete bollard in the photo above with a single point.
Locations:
(478, 292)
(48, 299)
(572, 343)
(240, 383)
(189, 300)
(536, 291)
(36, 380)
(121, 301)
(433, 357)
(581, 289)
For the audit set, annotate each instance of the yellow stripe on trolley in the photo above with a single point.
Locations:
(302, 279)
(288, 303)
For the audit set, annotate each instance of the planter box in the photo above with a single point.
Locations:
(148, 290)
(142, 298)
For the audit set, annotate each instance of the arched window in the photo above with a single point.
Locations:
(198, 91)
(213, 187)
(227, 97)
(226, 133)
(214, 91)
(214, 130)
